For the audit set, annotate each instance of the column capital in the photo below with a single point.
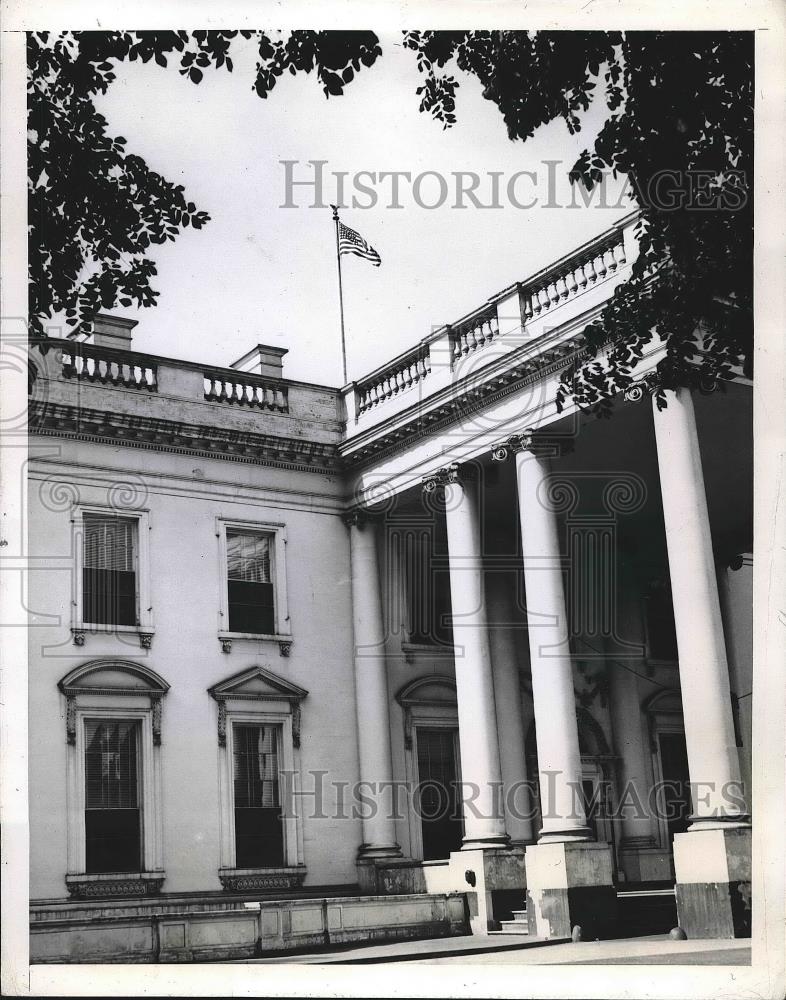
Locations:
(448, 475)
(645, 386)
(359, 517)
(535, 443)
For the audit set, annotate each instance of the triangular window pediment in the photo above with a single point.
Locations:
(257, 683)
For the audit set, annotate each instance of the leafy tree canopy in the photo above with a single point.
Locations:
(679, 124)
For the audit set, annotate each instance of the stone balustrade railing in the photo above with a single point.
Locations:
(246, 390)
(474, 332)
(400, 375)
(519, 313)
(573, 276)
(109, 366)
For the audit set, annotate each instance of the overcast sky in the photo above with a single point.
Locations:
(261, 273)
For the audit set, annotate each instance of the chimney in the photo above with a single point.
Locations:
(112, 331)
(263, 360)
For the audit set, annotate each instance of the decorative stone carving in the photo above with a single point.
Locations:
(145, 640)
(640, 388)
(155, 701)
(222, 723)
(245, 687)
(285, 647)
(442, 477)
(113, 888)
(530, 441)
(110, 678)
(71, 719)
(252, 881)
(226, 645)
(79, 637)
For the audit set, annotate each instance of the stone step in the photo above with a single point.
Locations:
(519, 914)
(514, 927)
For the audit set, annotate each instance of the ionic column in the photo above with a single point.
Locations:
(510, 719)
(712, 860)
(371, 691)
(559, 760)
(570, 877)
(704, 672)
(484, 820)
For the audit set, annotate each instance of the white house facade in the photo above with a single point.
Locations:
(415, 657)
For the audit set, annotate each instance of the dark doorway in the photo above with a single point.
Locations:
(440, 809)
(676, 790)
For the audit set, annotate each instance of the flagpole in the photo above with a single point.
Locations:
(340, 298)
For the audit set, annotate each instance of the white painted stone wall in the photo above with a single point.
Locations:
(185, 496)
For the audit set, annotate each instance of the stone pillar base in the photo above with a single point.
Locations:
(571, 884)
(713, 874)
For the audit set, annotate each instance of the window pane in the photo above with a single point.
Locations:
(113, 839)
(256, 766)
(250, 587)
(109, 542)
(248, 557)
(259, 834)
(428, 587)
(109, 574)
(110, 764)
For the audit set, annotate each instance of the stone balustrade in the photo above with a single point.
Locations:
(529, 312)
(398, 376)
(109, 366)
(246, 390)
(590, 265)
(473, 333)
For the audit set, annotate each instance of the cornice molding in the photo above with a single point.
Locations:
(136, 431)
(524, 372)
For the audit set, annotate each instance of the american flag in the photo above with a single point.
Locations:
(351, 242)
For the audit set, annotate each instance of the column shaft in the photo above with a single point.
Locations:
(559, 762)
(371, 691)
(510, 719)
(484, 822)
(704, 676)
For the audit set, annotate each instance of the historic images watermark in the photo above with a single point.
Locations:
(311, 796)
(311, 184)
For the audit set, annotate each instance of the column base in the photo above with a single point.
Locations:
(570, 884)
(370, 858)
(713, 874)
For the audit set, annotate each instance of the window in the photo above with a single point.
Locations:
(250, 583)
(112, 813)
(254, 592)
(261, 833)
(259, 841)
(112, 580)
(109, 570)
(113, 711)
(427, 583)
